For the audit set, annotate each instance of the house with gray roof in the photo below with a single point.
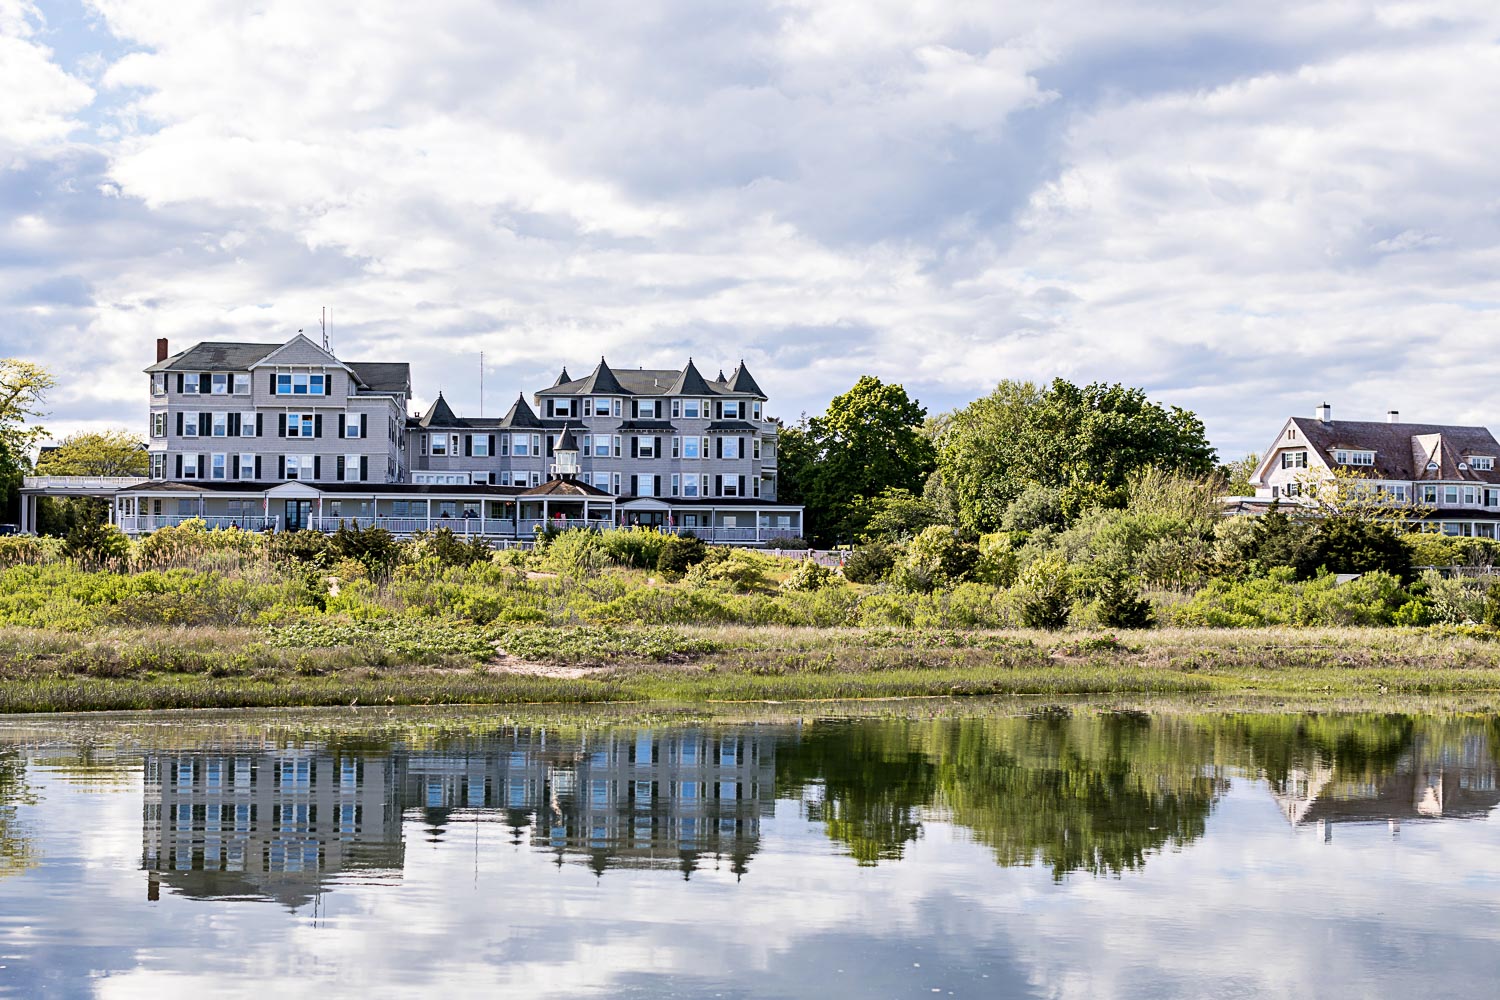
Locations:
(1447, 471)
(288, 436)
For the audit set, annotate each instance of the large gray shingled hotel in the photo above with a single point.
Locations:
(289, 436)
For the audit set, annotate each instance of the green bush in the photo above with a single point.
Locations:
(578, 552)
(97, 543)
(374, 548)
(1043, 593)
(291, 548)
(936, 558)
(807, 575)
(1279, 599)
(740, 570)
(28, 550)
(999, 562)
(871, 562)
(1122, 606)
(445, 548)
(635, 547)
(680, 553)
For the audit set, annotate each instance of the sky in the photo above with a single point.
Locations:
(1245, 208)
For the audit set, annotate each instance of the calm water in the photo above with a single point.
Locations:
(1080, 854)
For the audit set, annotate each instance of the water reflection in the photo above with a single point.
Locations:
(17, 852)
(1091, 793)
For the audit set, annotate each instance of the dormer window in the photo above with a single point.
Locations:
(1345, 456)
(1482, 463)
(1432, 466)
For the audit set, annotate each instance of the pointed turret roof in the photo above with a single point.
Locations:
(564, 378)
(602, 382)
(566, 441)
(721, 376)
(439, 414)
(520, 414)
(742, 381)
(689, 383)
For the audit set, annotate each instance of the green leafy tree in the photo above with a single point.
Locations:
(870, 440)
(897, 515)
(1236, 476)
(1346, 544)
(96, 453)
(1044, 593)
(23, 388)
(1085, 442)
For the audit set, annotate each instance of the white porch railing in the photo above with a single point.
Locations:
(139, 524)
(81, 484)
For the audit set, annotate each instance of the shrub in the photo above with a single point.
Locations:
(579, 552)
(1352, 545)
(680, 553)
(1122, 606)
(374, 548)
(635, 547)
(1453, 600)
(190, 542)
(445, 548)
(1043, 593)
(1278, 599)
(937, 557)
(27, 550)
(871, 562)
(734, 569)
(807, 575)
(998, 561)
(96, 543)
(291, 548)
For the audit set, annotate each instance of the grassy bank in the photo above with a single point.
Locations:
(450, 663)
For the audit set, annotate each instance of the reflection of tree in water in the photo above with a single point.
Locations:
(16, 851)
(1361, 747)
(875, 779)
(1092, 793)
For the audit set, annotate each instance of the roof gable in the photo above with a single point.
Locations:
(690, 383)
(520, 414)
(743, 382)
(440, 414)
(215, 356)
(1402, 451)
(602, 382)
(299, 351)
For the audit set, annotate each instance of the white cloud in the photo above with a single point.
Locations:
(1242, 207)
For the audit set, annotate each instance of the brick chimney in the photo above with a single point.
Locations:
(161, 348)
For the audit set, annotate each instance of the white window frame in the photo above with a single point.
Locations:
(301, 421)
(293, 467)
(159, 425)
(755, 444)
(247, 424)
(689, 485)
(602, 446)
(619, 446)
(691, 408)
(479, 445)
(190, 426)
(218, 466)
(158, 383)
(731, 409)
(351, 469)
(1450, 495)
(439, 445)
(190, 384)
(352, 424)
(247, 465)
(676, 447)
(646, 448)
(219, 384)
(676, 484)
(676, 408)
(241, 383)
(190, 465)
(692, 448)
(1482, 463)
(755, 409)
(219, 425)
(159, 465)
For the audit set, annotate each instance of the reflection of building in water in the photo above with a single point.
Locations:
(616, 799)
(1431, 780)
(270, 824)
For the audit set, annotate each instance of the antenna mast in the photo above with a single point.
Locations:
(481, 383)
(325, 330)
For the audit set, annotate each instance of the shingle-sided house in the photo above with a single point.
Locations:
(1448, 470)
(286, 436)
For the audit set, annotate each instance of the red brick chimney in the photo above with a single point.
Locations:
(161, 348)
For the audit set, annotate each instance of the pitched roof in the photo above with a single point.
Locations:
(602, 382)
(1404, 451)
(566, 441)
(440, 414)
(383, 376)
(215, 356)
(565, 487)
(742, 382)
(520, 415)
(690, 383)
(564, 378)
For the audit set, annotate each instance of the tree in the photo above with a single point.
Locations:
(1086, 442)
(869, 441)
(897, 515)
(1346, 544)
(23, 387)
(1236, 476)
(96, 453)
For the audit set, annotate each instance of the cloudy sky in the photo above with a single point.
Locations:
(1246, 208)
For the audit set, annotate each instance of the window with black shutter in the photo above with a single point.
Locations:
(364, 427)
(718, 447)
(179, 465)
(179, 381)
(260, 425)
(340, 469)
(281, 425)
(257, 466)
(364, 468)
(202, 461)
(271, 383)
(328, 385)
(317, 466)
(657, 452)
(492, 446)
(718, 486)
(656, 486)
(742, 486)
(468, 446)
(635, 446)
(280, 466)
(179, 423)
(317, 425)
(341, 425)
(205, 383)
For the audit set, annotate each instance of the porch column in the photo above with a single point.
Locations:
(429, 513)
(545, 521)
(757, 526)
(26, 513)
(321, 525)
